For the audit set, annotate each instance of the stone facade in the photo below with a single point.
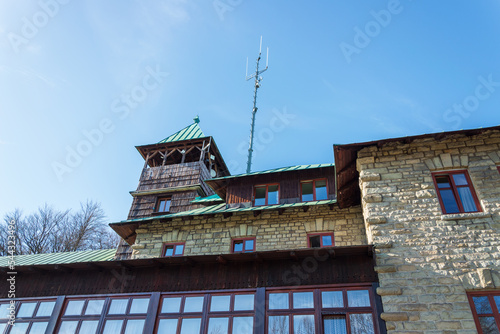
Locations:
(428, 260)
(273, 231)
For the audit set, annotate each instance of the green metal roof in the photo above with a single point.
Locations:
(222, 208)
(192, 131)
(60, 258)
(276, 170)
(208, 199)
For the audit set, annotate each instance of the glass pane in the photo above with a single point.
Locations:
(460, 179)
(218, 325)
(327, 240)
(139, 305)
(171, 305)
(4, 311)
(220, 303)
(482, 305)
(303, 300)
(321, 193)
(45, 309)
(238, 246)
(167, 206)
(488, 325)
(443, 181)
(358, 298)
(118, 306)
(89, 327)
(314, 241)
(167, 326)
(20, 328)
(361, 323)
(2, 327)
(497, 301)
(260, 196)
(249, 245)
(26, 310)
(179, 249)
(332, 299)
(279, 325)
(112, 326)
(134, 326)
(307, 191)
(193, 304)
(242, 325)
(243, 302)
(303, 324)
(449, 202)
(272, 195)
(467, 200)
(169, 250)
(68, 327)
(38, 327)
(74, 307)
(278, 301)
(94, 306)
(335, 324)
(190, 326)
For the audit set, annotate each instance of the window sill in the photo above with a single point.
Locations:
(469, 215)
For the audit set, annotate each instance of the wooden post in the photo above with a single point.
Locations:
(146, 162)
(202, 154)
(164, 158)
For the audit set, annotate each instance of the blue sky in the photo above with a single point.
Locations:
(100, 77)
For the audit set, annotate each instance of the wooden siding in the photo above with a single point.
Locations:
(241, 190)
(143, 206)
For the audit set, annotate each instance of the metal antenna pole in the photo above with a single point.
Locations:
(254, 110)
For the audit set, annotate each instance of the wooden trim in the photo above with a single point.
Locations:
(454, 189)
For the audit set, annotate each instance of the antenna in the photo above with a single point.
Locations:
(258, 78)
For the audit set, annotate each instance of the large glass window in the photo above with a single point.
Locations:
(314, 190)
(30, 316)
(266, 195)
(485, 308)
(456, 193)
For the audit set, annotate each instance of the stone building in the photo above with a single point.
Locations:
(400, 236)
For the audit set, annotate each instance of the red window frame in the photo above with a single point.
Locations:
(314, 188)
(498, 167)
(237, 240)
(454, 189)
(495, 312)
(320, 239)
(174, 246)
(267, 191)
(157, 208)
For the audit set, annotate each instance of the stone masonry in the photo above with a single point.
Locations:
(426, 260)
(273, 231)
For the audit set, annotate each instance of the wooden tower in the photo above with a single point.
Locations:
(173, 176)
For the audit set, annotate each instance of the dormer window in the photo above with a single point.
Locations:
(314, 190)
(163, 204)
(266, 195)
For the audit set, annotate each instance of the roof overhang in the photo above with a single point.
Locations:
(348, 193)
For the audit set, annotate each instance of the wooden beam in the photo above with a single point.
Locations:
(257, 212)
(227, 214)
(221, 259)
(280, 211)
(294, 256)
(146, 161)
(305, 208)
(63, 268)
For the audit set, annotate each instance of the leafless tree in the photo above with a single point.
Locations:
(49, 230)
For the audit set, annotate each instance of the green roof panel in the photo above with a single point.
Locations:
(208, 199)
(192, 131)
(60, 258)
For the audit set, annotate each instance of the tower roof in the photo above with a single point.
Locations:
(192, 131)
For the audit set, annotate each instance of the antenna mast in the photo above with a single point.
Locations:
(254, 110)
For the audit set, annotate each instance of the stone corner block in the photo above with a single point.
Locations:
(376, 220)
(365, 176)
(373, 198)
(389, 291)
(394, 316)
(387, 244)
(385, 269)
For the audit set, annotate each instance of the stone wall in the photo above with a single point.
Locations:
(427, 261)
(273, 231)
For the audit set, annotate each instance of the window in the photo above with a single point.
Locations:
(314, 190)
(341, 311)
(485, 308)
(320, 240)
(244, 245)
(266, 195)
(176, 249)
(456, 193)
(163, 204)
(32, 315)
(119, 315)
